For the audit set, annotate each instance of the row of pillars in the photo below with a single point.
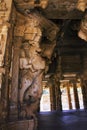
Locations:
(55, 95)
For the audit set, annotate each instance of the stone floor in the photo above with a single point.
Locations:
(67, 120)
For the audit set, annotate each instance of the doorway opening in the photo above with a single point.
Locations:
(45, 100)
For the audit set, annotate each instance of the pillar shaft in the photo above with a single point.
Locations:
(5, 74)
(52, 98)
(15, 79)
(76, 96)
(69, 97)
(84, 93)
(58, 97)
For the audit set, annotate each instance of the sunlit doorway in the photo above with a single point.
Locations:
(45, 100)
(64, 98)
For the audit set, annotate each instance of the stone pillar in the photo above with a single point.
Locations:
(52, 95)
(15, 79)
(6, 76)
(54, 98)
(58, 96)
(76, 95)
(5, 49)
(57, 77)
(84, 92)
(69, 96)
(51, 99)
(84, 81)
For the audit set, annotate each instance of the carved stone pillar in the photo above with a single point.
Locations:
(58, 97)
(53, 98)
(84, 92)
(15, 78)
(76, 95)
(7, 64)
(84, 81)
(52, 95)
(5, 54)
(57, 77)
(69, 96)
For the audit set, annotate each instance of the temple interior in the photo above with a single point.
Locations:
(43, 64)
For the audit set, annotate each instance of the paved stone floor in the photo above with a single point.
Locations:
(67, 120)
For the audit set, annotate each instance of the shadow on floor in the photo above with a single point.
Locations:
(66, 120)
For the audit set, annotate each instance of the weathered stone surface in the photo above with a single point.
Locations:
(60, 9)
(54, 9)
(18, 125)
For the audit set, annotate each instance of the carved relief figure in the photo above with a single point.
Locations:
(34, 57)
(30, 64)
